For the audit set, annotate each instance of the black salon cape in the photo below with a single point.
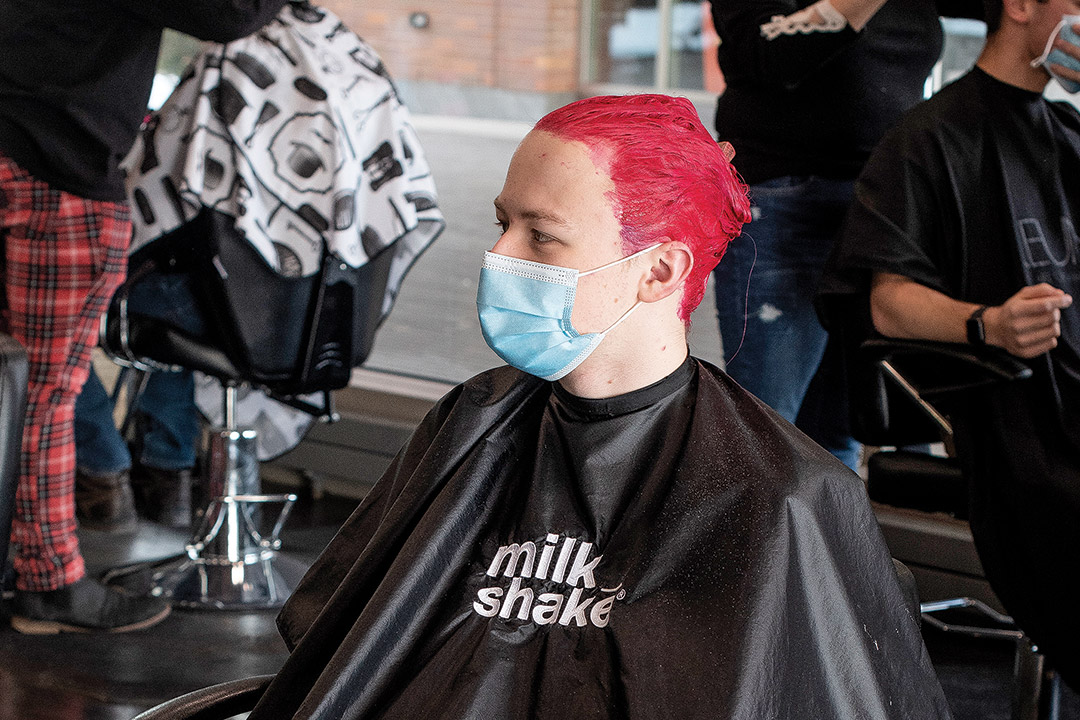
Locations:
(735, 570)
(976, 194)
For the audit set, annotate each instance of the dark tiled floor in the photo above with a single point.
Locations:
(114, 677)
(81, 677)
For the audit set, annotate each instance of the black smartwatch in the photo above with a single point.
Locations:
(976, 331)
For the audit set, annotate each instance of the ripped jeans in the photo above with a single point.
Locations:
(774, 345)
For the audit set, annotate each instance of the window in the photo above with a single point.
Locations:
(648, 43)
(177, 51)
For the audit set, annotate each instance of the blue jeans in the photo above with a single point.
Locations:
(774, 345)
(166, 418)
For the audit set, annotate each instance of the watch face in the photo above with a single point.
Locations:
(976, 333)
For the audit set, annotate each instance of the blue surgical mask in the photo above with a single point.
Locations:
(1053, 55)
(525, 310)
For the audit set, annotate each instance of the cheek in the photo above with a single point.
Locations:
(599, 302)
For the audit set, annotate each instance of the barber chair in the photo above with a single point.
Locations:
(900, 391)
(217, 702)
(289, 337)
(13, 379)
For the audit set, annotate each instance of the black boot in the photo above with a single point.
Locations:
(85, 606)
(105, 502)
(163, 496)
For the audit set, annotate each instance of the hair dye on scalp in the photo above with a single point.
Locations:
(671, 178)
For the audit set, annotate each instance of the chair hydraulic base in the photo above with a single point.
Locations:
(228, 564)
(201, 583)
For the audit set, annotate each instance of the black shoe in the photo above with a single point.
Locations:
(84, 607)
(163, 496)
(105, 502)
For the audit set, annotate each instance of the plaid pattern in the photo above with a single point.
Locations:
(63, 257)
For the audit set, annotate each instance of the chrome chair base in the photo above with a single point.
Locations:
(203, 584)
(229, 563)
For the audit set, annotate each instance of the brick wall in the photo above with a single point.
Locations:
(504, 44)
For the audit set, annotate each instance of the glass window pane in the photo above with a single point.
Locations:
(625, 39)
(964, 41)
(177, 52)
(688, 45)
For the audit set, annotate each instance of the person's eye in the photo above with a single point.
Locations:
(542, 238)
(502, 225)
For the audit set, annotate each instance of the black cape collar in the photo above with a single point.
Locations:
(602, 408)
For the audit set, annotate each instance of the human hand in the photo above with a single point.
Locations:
(1067, 68)
(1029, 323)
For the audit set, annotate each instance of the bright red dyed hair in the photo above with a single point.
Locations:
(671, 177)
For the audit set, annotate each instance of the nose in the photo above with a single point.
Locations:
(505, 244)
(500, 244)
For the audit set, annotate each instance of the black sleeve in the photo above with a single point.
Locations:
(216, 20)
(785, 60)
(901, 220)
(972, 9)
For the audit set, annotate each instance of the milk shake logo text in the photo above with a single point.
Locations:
(562, 564)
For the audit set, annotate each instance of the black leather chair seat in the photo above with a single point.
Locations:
(150, 338)
(917, 481)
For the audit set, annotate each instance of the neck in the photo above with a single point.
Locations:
(629, 359)
(1006, 59)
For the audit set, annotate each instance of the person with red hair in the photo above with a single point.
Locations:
(607, 527)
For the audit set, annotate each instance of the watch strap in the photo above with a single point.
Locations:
(976, 331)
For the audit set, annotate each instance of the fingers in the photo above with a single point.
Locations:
(1070, 49)
(1067, 73)
(1027, 334)
(1036, 341)
(1043, 290)
(1029, 323)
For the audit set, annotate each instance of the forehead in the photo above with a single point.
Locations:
(550, 175)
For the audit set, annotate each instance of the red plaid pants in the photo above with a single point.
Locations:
(63, 257)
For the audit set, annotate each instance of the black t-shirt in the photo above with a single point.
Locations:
(976, 194)
(75, 77)
(816, 103)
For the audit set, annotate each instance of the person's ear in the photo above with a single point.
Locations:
(671, 265)
(1019, 11)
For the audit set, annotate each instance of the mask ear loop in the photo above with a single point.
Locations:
(613, 263)
(746, 303)
(1050, 43)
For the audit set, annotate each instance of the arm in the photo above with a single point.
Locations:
(785, 50)
(1028, 324)
(217, 20)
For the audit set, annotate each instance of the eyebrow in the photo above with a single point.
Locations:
(537, 215)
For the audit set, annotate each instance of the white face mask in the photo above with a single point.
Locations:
(1052, 55)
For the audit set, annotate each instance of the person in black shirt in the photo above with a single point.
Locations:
(75, 77)
(964, 229)
(812, 85)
